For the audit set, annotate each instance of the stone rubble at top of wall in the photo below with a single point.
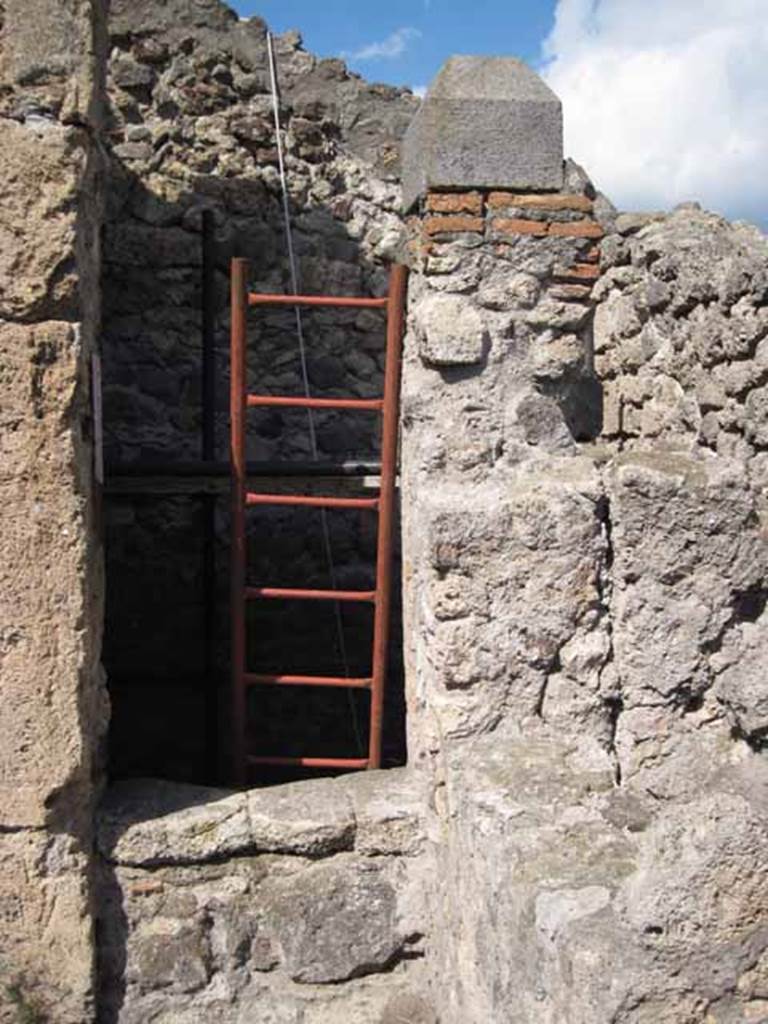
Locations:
(192, 129)
(681, 334)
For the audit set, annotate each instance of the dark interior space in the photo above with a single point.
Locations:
(167, 519)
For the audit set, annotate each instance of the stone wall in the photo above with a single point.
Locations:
(499, 389)
(52, 706)
(580, 833)
(191, 130)
(585, 604)
(680, 334)
(302, 902)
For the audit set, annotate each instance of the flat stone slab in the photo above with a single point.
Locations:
(149, 823)
(486, 122)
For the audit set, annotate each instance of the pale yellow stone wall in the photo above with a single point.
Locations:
(52, 708)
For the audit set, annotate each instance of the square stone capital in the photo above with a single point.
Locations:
(486, 122)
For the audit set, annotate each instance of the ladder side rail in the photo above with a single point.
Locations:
(238, 340)
(398, 283)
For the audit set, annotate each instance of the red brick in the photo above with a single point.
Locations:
(442, 225)
(516, 226)
(577, 229)
(455, 202)
(498, 200)
(578, 272)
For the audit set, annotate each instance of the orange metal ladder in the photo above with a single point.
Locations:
(242, 499)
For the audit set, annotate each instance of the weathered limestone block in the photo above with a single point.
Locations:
(52, 707)
(741, 685)
(44, 172)
(510, 577)
(148, 822)
(298, 902)
(689, 570)
(45, 948)
(531, 869)
(453, 332)
(486, 122)
(334, 922)
(50, 617)
(388, 813)
(551, 872)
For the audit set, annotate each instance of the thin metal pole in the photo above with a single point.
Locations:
(324, 526)
(208, 501)
(209, 338)
(239, 300)
(398, 282)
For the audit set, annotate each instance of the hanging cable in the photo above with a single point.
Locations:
(326, 535)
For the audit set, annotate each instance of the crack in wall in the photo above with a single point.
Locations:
(613, 701)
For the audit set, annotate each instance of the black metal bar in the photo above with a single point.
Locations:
(209, 339)
(208, 501)
(116, 471)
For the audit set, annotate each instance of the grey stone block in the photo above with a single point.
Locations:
(486, 122)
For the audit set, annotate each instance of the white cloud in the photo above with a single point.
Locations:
(420, 91)
(393, 46)
(666, 100)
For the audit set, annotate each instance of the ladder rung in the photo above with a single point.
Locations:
(257, 299)
(275, 593)
(255, 678)
(310, 502)
(280, 402)
(312, 762)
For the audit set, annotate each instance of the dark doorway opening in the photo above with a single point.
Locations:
(167, 632)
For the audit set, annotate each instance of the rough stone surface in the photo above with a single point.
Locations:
(53, 61)
(299, 902)
(335, 923)
(680, 334)
(585, 603)
(52, 705)
(580, 835)
(148, 823)
(485, 122)
(453, 332)
(550, 870)
(690, 564)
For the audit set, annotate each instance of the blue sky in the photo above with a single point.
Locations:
(664, 101)
(427, 30)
